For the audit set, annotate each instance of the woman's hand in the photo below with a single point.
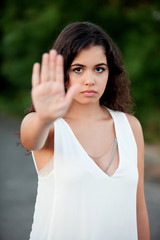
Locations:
(48, 93)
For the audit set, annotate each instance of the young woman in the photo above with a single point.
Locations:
(88, 150)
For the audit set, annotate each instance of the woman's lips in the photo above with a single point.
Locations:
(89, 93)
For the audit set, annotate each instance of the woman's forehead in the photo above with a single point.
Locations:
(92, 54)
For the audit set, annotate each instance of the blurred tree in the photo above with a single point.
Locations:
(29, 28)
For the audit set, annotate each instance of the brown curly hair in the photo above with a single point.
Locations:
(80, 35)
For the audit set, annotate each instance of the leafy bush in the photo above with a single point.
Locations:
(29, 28)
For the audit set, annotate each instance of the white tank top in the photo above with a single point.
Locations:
(76, 200)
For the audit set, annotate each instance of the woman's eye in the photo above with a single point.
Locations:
(77, 70)
(99, 69)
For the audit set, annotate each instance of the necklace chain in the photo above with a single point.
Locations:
(112, 156)
(113, 143)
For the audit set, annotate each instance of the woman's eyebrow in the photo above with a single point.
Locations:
(78, 64)
(81, 65)
(101, 64)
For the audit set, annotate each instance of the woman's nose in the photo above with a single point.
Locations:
(89, 78)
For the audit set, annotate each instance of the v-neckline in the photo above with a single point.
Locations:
(91, 161)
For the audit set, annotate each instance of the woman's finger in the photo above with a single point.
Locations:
(45, 68)
(59, 71)
(52, 59)
(35, 75)
(71, 93)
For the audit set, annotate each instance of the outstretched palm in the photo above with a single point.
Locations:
(48, 93)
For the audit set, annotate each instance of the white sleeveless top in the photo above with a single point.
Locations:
(76, 200)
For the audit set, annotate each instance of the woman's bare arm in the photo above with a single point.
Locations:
(34, 132)
(142, 215)
(49, 100)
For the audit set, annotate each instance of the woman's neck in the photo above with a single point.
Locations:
(85, 111)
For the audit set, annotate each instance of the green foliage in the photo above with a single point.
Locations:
(29, 28)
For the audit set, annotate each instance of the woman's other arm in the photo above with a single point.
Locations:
(142, 215)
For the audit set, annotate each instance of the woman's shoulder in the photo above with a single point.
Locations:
(136, 128)
(134, 122)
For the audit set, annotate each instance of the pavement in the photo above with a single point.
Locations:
(18, 185)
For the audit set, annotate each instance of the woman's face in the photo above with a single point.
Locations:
(90, 70)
